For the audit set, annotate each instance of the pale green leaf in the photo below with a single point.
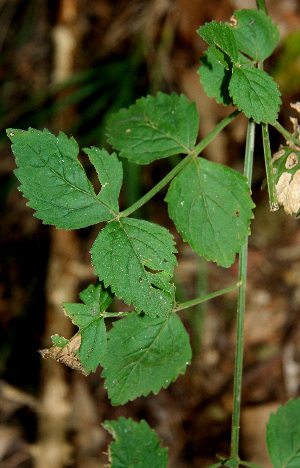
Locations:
(136, 445)
(59, 341)
(283, 436)
(221, 36)
(55, 182)
(210, 205)
(143, 355)
(255, 34)
(255, 93)
(136, 259)
(154, 128)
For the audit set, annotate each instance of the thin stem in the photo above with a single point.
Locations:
(261, 5)
(195, 152)
(287, 135)
(269, 168)
(186, 305)
(239, 349)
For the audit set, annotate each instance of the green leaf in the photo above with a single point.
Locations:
(255, 34)
(91, 324)
(283, 436)
(287, 179)
(215, 77)
(210, 205)
(136, 445)
(144, 354)
(136, 258)
(154, 128)
(55, 182)
(220, 35)
(59, 341)
(255, 93)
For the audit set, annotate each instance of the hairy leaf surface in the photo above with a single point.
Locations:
(55, 182)
(211, 207)
(255, 34)
(154, 128)
(255, 93)
(143, 355)
(136, 259)
(283, 435)
(135, 445)
(220, 35)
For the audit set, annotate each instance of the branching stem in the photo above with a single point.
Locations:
(199, 300)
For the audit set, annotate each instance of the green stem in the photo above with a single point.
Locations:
(186, 305)
(269, 168)
(239, 350)
(261, 5)
(287, 135)
(195, 152)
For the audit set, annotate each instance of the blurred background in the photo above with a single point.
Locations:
(67, 65)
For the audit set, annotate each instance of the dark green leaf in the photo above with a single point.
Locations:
(210, 205)
(136, 445)
(283, 436)
(136, 258)
(144, 354)
(154, 128)
(255, 93)
(220, 35)
(255, 34)
(55, 182)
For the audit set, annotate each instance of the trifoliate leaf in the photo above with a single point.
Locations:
(283, 436)
(255, 93)
(255, 34)
(136, 445)
(136, 258)
(154, 128)
(143, 355)
(215, 77)
(287, 179)
(210, 205)
(55, 182)
(220, 35)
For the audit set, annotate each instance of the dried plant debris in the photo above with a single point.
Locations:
(287, 171)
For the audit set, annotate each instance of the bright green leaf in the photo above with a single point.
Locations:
(136, 445)
(136, 258)
(220, 35)
(55, 182)
(255, 93)
(255, 34)
(215, 77)
(143, 355)
(210, 205)
(154, 128)
(283, 436)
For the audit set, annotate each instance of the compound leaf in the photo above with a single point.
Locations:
(221, 36)
(144, 354)
(136, 258)
(154, 128)
(214, 77)
(255, 34)
(283, 436)
(255, 93)
(210, 205)
(136, 445)
(55, 182)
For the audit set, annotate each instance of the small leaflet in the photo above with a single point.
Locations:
(135, 445)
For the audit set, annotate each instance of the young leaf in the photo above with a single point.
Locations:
(214, 77)
(154, 128)
(136, 445)
(255, 34)
(212, 211)
(91, 324)
(255, 93)
(144, 354)
(136, 258)
(55, 182)
(221, 36)
(283, 436)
